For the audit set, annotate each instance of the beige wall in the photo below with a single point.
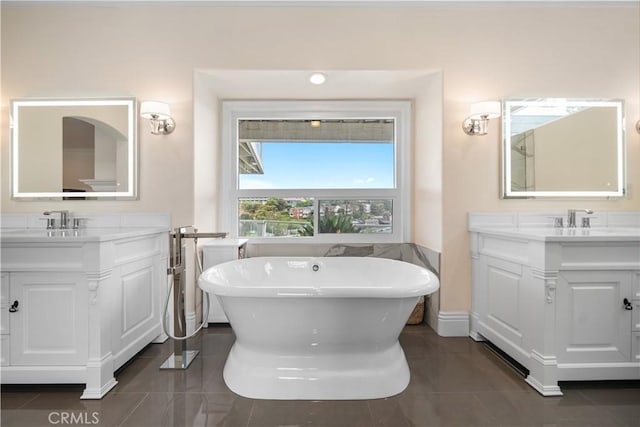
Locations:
(483, 53)
(589, 138)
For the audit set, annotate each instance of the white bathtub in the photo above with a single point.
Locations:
(325, 334)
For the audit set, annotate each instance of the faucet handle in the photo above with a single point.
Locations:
(76, 221)
(586, 221)
(51, 222)
(558, 221)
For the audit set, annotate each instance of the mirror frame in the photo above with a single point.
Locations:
(508, 193)
(132, 148)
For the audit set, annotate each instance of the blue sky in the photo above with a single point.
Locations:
(323, 165)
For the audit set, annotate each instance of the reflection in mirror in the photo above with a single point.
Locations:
(74, 149)
(556, 147)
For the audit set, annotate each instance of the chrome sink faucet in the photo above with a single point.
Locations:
(64, 218)
(571, 216)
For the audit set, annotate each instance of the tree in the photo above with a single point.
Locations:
(267, 212)
(331, 224)
(306, 229)
(305, 203)
(277, 204)
(249, 208)
(338, 224)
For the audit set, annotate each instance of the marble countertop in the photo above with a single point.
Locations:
(600, 234)
(34, 235)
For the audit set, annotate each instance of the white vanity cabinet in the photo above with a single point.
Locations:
(564, 303)
(216, 252)
(78, 304)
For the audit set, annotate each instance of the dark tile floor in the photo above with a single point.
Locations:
(454, 382)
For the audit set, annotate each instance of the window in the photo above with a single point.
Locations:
(332, 171)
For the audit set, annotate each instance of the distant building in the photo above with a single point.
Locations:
(301, 213)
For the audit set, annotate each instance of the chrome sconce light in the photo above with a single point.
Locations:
(478, 121)
(159, 116)
(317, 78)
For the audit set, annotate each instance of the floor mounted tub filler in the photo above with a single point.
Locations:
(317, 328)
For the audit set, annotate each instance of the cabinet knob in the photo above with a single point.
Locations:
(14, 307)
(627, 304)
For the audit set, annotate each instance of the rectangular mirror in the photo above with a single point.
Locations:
(79, 149)
(558, 147)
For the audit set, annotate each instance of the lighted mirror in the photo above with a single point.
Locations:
(557, 147)
(80, 149)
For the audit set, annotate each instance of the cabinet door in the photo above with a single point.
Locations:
(50, 326)
(592, 323)
(504, 302)
(5, 347)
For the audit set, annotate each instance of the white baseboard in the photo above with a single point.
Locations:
(453, 324)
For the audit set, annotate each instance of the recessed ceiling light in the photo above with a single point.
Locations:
(317, 78)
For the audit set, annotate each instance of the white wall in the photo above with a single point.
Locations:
(481, 53)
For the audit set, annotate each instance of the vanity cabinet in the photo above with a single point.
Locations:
(217, 252)
(563, 303)
(77, 305)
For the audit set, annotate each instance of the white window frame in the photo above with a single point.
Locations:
(400, 110)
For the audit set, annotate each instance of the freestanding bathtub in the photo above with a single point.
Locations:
(317, 328)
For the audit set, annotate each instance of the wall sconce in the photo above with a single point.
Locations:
(478, 121)
(158, 113)
(317, 78)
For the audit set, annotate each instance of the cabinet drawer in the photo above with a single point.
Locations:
(635, 347)
(635, 315)
(636, 285)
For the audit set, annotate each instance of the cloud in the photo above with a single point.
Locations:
(368, 180)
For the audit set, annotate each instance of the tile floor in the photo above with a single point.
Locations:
(454, 382)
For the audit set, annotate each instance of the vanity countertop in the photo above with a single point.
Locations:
(34, 235)
(548, 234)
